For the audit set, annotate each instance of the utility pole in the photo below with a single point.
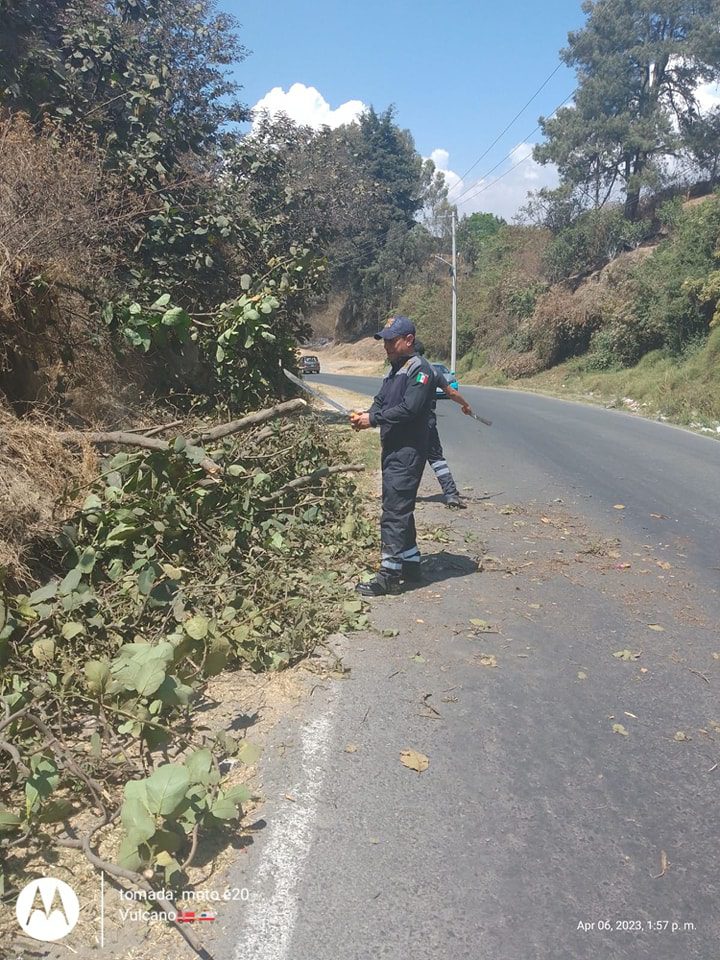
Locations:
(453, 274)
(453, 342)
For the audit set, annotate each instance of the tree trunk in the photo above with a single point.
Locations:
(632, 204)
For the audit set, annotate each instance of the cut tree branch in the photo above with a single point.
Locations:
(83, 843)
(310, 478)
(252, 419)
(125, 438)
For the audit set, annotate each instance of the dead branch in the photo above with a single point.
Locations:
(125, 438)
(122, 873)
(151, 431)
(119, 437)
(66, 758)
(269, 432)
(260, 416)
(15, 754)
(309, 478)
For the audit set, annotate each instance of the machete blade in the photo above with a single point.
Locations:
(315, 393)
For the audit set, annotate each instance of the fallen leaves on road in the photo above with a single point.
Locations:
(390, 633)
(622, 566)
(656, 627)
(248, 752)
(664, 565)
(618, 506)
(582, 675)
(619, 728)
(487, 660)
(418, 658)
(432, 713)
(351, 748)
(482, 626)
(436, 535)
(414, 760)
(681, 737)
(664, 864)
(627, 655)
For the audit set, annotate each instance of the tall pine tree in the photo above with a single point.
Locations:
(638, 64)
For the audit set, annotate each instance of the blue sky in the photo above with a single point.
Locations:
(456, 71)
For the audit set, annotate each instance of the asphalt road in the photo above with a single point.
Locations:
(540, 448)
(569, 811)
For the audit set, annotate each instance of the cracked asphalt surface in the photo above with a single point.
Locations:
(569, 806)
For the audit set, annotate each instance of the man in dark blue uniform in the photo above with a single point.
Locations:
(401, 410)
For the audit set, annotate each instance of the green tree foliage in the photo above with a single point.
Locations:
(165, 582)
(27, 29)
(146, 82)
(591, 241)
(473, 234)
(228, 226)
(437, 209)
(638, 64)
(352, 193)
(676, 292)
(386, 159)
(702, 139)
(492, 299)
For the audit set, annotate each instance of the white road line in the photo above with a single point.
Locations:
(270, 921)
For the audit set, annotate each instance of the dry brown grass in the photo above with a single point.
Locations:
(59, 208)
(63, 222)
(40, 485)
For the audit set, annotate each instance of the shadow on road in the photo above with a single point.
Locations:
(441, 566)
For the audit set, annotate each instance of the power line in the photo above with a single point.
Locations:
(493, 182)
(510, 170)
(503, 132)
(507, 156)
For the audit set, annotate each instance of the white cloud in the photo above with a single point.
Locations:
(308, 107)
(708, 96)
(504, 190)
(441, 159)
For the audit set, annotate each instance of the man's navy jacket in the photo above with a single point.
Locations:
(403, 406)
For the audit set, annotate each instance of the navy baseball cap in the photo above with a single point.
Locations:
(396, 327)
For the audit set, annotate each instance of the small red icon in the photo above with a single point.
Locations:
(189, 916)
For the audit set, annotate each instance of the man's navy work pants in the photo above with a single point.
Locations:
(402, 470)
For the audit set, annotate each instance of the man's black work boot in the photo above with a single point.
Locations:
(381, 584)
(453, 501)
(412, 572)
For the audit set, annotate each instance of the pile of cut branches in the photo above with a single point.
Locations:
(227, 547)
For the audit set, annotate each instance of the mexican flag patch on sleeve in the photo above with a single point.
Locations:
(422, 378)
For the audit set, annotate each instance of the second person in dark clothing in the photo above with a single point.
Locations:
(435, 456)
